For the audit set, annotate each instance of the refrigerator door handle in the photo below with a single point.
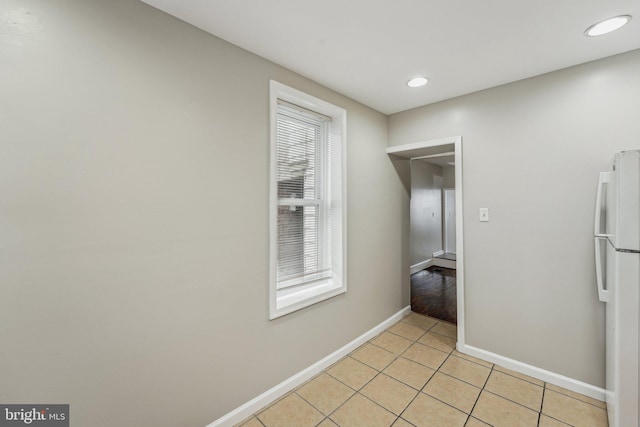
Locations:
(603, 294)
(602, 180)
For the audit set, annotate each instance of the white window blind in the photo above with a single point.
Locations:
(307, 199)
(303, 196)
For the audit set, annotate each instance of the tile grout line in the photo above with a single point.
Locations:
(397, 356)
(460, 379)
(411, 402)
(314, 407)
(427, 382)
(506, 398)
(398, 416)
(373, 367)
(409, 385)
(544, 389)
(407, 338)
(376, 403)
(370, 342)
(442, 351)
(445, 403)
(512, 401)
(566, 395)
(379, 372)
(481, 390)
(435, 398)
(338, 407)
(326, 371)
(342, 382)
(357, 392)
(416, 341)
(575, 398)
(513, 376)
(544, 392)
(472, 361)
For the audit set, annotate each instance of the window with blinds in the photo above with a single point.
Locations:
(303, 196)
(307, 199)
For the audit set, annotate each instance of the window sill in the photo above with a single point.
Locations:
(290, 300)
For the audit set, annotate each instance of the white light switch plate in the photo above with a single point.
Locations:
(484, 214)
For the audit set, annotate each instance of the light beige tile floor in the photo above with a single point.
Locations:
(411, 375)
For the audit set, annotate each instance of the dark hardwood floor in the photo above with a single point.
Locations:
(433, 293)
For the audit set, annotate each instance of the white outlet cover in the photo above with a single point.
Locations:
(484, 214)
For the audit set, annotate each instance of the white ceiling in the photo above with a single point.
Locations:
(368, 49)
(440, 160)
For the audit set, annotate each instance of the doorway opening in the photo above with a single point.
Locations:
(436, 243)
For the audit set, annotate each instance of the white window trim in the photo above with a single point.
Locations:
(288, 300)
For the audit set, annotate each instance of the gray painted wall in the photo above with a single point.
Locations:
(134, 219)
(425, 211)
(449, 176)
(532, 151)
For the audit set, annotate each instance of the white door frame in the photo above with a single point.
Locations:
(436, 146)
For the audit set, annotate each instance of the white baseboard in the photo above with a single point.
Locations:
(541, 374)
(446, 263)
(436, 254)
(257, 403)
(420, 266)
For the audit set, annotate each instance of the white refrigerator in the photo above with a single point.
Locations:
(617, 249)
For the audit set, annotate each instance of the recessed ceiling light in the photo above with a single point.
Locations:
(607, 26)
(417, 82)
